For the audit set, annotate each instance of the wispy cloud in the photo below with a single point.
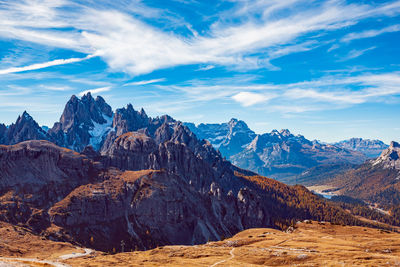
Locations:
(370, 33)
(56, 87)
(44, 65)
(355, 53)
(326, 93)
(145, 82)
(95, 91)
(129, 44)
(207, 67)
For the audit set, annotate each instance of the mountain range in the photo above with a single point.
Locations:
(99, 177)
(282, 155)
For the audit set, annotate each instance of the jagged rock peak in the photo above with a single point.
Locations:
(84, 121)
(25, 128)
(238, 123)
(104, 107)
(285, 132)
(26, 115)
(85, 110)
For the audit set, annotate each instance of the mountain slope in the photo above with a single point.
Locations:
(375, 181)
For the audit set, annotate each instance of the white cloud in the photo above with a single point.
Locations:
(247, 99)
(95, 91)
(56, 87)
(370, 33)
(207, 67)
(356, 53)
(128, 44)
(44, 65)
(326, 93)
(145, 82)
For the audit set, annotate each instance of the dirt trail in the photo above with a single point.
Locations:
(20, 261)
(222, 261)
(76, 254)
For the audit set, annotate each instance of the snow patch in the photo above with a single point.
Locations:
(98, 131)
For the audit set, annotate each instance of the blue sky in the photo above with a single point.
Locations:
(326, 69)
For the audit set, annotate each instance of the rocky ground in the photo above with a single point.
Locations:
(309, 244)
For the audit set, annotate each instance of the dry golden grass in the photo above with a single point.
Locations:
(315, 244)
(309, 245)
(17, 241)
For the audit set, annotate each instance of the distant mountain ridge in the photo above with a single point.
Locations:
(280, 154)
(371, 148)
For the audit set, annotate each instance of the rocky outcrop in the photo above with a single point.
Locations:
(389, 158)
(371, 148)
(36, 174)
(42, 184)
(146, 208)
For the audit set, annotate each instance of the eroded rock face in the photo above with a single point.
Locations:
(42, 185)
(146, 208)
(36, 174)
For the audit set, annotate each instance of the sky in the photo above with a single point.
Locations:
(329, 70)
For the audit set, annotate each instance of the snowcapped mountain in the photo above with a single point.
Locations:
(229, 138)
(371, 148)
(85, 121)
